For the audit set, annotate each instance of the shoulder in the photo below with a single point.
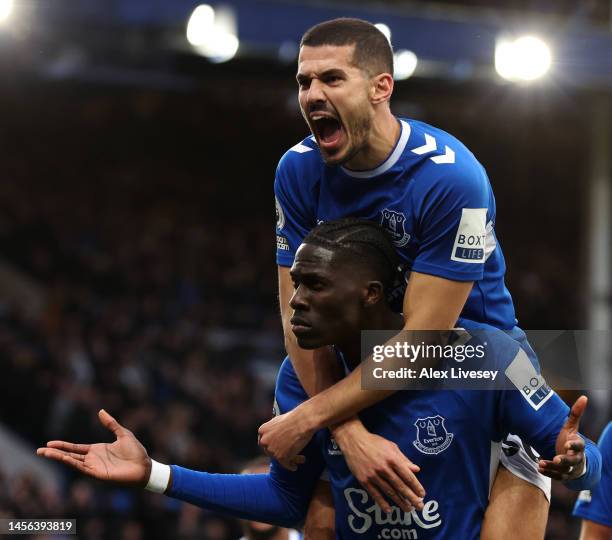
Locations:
(289, 392)
(500, 349)
(446, 164)
(302, 158)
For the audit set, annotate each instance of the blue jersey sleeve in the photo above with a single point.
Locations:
(281, 500)
(536, 413)
(453, 208)
(294, 190)
(280, 497)
(596, 504)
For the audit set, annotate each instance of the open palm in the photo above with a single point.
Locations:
(125, 461)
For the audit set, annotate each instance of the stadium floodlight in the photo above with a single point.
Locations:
(213, 33)
(404, 64)
(386, 31)
(200, 25)
(524, 59)
(6, 7)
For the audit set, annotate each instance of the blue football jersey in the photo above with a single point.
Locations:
(596, 504)
(431, 195)
(453, 435)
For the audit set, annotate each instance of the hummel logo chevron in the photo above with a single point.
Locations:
(448, 157)
(431, 146)
(300, 148)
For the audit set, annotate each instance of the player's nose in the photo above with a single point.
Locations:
(316, 93)
(298, 302)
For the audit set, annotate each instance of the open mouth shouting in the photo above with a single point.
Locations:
(328, 131)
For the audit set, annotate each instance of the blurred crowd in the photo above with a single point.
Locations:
(151, 241)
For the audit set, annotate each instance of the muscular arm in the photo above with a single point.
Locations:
(430, 302)
(517, 509)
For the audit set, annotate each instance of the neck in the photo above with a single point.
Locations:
(381, 319)
(382, 138)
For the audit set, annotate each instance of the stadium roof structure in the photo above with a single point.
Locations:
(67, 38)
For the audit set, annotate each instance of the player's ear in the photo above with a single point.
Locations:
(373, 293)
(381, 88)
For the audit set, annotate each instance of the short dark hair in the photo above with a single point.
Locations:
(364, 242)
(373, 52)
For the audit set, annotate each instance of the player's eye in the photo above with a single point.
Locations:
(316, 285)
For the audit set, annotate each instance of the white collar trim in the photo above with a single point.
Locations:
(390, 161)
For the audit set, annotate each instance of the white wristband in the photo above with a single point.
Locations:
(159, 477)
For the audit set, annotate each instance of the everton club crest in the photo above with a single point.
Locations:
(394, 223)
(280, 215)
(431, 435)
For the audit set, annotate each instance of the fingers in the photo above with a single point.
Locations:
(50, 452)
(292, 462)
(576, 413)
(378, 498)
(110, 423)
(69, 447)
(76, 461)
(288, 464)
(411, 487)
(395, 488)
(562, 467)
(385, 487)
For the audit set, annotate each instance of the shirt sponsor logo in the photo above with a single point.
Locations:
(366, 514)
(528, 381)
(281, 243)
(394, 223)
(470, 241)
(432, 436)
(280, 215)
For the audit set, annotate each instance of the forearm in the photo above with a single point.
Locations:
(318, 371)
(257, 497)
(340, 402)
(347, 397)
(430, 303)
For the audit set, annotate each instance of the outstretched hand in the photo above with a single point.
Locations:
(125, 461)
(569, 462)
